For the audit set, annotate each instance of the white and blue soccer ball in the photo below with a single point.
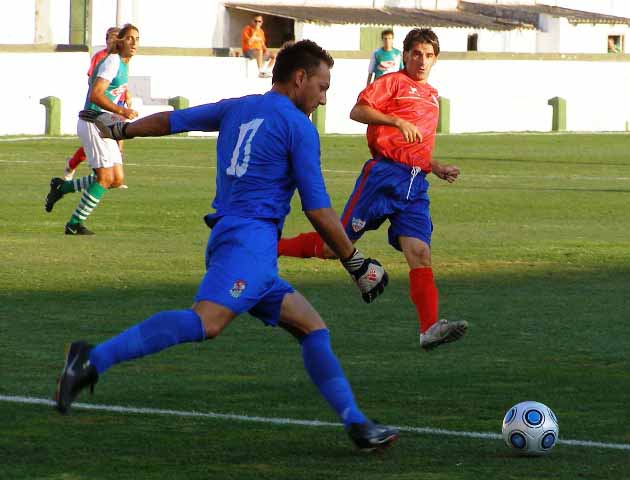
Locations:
(530, 428)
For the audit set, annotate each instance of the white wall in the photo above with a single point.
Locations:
(59, 16)
(204, 24)
(588, 38)
(35, 81)
(456, 39)
(331, 37)
(512, 95)
(17, 21)
(486, 95)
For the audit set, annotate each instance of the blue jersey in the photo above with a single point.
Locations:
(266, 149)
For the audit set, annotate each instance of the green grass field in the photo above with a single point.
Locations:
(531, 246)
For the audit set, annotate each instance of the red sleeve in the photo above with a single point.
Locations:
(95, 59)
(378, 94)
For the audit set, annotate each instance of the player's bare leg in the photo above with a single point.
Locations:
(118, 179)
(424, 295)
(214, 317)
(299, 318)
(121, 145)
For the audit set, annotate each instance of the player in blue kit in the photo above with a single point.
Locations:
(267, 147)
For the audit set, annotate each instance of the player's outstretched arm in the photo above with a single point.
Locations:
(368, 274)
(155, 125)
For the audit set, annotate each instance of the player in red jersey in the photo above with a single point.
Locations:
(111, 38)
(401, 110)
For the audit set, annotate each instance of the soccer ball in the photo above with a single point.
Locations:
(530, 428)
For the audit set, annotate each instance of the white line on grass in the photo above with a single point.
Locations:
(356, 171)
(334, 135)
(286, 421)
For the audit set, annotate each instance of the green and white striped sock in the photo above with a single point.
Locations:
(77, 184)
(89, 201)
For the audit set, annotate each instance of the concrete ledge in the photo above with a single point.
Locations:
(352, 54)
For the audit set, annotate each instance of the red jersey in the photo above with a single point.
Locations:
(398, 95)
(98, 56)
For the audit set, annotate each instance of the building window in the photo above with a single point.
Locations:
(615, 43)
(472, 42)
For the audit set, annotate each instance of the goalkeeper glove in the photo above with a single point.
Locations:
(368, 274)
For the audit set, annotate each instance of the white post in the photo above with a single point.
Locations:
(119, 13)
(43, 28)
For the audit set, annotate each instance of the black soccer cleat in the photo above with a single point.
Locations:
(77, 229)
(78, 373)
(54, 195)
(369, 436)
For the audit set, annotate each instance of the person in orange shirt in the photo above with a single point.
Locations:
(401, 110)
(254, 46)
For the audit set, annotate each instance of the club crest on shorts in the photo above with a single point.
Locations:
(357, 224)
(372, 275)
(238, 288)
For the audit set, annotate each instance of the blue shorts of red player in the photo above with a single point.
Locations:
(386, 190)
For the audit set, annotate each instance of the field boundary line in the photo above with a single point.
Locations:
(286, 421)
(570, 177)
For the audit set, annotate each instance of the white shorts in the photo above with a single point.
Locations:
(100, 152)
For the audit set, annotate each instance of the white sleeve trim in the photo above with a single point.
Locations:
(109, 68)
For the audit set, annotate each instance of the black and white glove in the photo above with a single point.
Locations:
(112, 126)
(368, 274)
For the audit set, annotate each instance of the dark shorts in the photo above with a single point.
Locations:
(252, 52)
(385, 191)
(242, 268)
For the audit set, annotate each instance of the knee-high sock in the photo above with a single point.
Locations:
(89, 201)
(305, 245)
(424, 295)
(156, 333)
(77, 158)
(326, 373)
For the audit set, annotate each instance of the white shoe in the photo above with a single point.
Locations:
(264, 75)
(441, 332)
(123, 186)
(68, 173)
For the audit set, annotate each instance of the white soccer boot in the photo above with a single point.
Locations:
(441, 332)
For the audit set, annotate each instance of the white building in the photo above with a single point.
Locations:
(517, 26)
(526, 54)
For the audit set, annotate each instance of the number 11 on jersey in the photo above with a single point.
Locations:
(248, 130)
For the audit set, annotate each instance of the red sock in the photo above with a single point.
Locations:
(305, 245)
(77, 158)
(424, 295)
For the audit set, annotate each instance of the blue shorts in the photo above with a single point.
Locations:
(242, 268)
(385, 190)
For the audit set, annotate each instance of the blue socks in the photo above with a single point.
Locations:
(326, 373)
(166, 329)
(156, 333)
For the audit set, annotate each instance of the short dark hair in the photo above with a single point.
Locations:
(387, 31)
(304, 54)
(422, 35)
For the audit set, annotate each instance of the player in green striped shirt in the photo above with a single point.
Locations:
(108, 84)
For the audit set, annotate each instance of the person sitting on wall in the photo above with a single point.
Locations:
(612, 46)
(255, 46)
